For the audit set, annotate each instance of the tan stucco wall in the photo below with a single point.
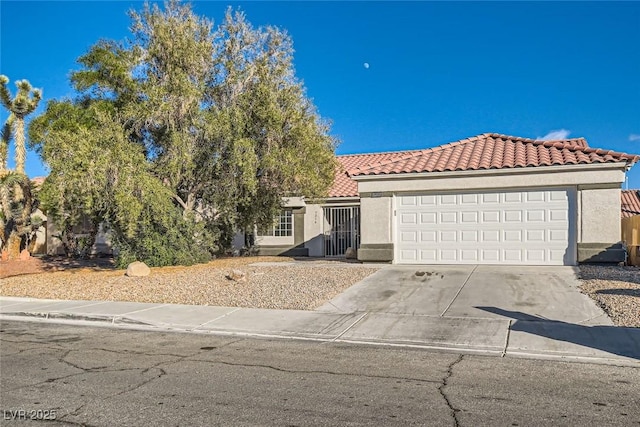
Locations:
(515, 178)
(595, 199)
(313, 229)
(376, 219)
(599, 218)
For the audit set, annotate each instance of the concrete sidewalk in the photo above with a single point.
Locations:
(508, 334)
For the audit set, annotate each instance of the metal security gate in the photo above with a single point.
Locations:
(341, 230)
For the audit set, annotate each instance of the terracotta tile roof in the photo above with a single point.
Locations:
(343, 186)
(630, 203)
(38, 181)
(493, 151)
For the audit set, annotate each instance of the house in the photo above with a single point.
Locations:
(488, 199)
(45, 240)
(630, 203)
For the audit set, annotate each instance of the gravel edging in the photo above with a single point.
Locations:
(301, 287)
(616, 289)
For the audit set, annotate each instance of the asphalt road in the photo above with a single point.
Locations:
(105, 377)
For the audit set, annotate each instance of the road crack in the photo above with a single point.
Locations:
(311, 371)
(441, 388)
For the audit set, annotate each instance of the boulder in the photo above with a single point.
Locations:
(138, 269)
(237, 276)
(351, 253)
(25, 255)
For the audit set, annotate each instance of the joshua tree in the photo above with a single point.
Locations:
(16, 222)
(16, 201)
(25, 102)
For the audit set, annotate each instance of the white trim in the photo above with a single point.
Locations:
(487, 172)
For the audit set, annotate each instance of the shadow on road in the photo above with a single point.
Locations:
(612, 339)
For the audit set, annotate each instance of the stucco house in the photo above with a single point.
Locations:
(488, 199)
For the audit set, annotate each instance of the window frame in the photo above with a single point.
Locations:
(282, 226)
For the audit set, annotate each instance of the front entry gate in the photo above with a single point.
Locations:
(341, 230)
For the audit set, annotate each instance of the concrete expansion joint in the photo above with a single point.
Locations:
(459, 290)
(213, 320)
(441, 389)
(506, 339)
(337, 337)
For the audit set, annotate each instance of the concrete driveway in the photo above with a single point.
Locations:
(472, 291)
(503, 309)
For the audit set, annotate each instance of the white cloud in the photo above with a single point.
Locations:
(634, 137)
(555, 135)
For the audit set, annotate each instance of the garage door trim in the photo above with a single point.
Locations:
(549, 241)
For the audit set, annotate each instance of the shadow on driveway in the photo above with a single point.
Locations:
(612, 339)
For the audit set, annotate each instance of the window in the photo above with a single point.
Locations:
(283, 226)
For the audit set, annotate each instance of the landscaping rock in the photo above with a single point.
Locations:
(25, 255)
(138, 269)
(237, 276)
(351, 253)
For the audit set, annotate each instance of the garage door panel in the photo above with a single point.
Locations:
(428, 237)
(490, 256)
(512, 197)
(409, 218)
(470, 217)
(448, 217)
(469, 255)
(558, 196)
(513, 255)
(428, 218)
(449, 199)
(491, 216)
(557, 215)
(557, 235)
(469, 199)
(448, 255)
(428, 200)
(535, 255)
(535, 196)
(556, 256)
(512, 236)
(409, 254)
(536, 235)
(512, 227)
(513, 216)
(535, 215)
(408, 201)
(428, 255)
(469, 236)
(490, 198)
(490, 236)
(409, 237)
(448, 236)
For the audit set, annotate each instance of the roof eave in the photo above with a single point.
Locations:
(502, 171)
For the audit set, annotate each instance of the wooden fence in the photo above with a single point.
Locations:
(631, 236)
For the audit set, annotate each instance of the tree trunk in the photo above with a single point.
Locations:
(13, 246)
(21, 149)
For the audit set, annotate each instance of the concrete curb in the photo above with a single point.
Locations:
(116, 321)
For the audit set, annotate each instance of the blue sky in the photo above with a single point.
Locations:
(437, 71)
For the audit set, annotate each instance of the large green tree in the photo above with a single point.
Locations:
(184, 134)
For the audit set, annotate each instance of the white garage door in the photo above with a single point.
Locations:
(497, 227)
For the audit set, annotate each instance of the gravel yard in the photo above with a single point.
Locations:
(302, 286)
(616, 289)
